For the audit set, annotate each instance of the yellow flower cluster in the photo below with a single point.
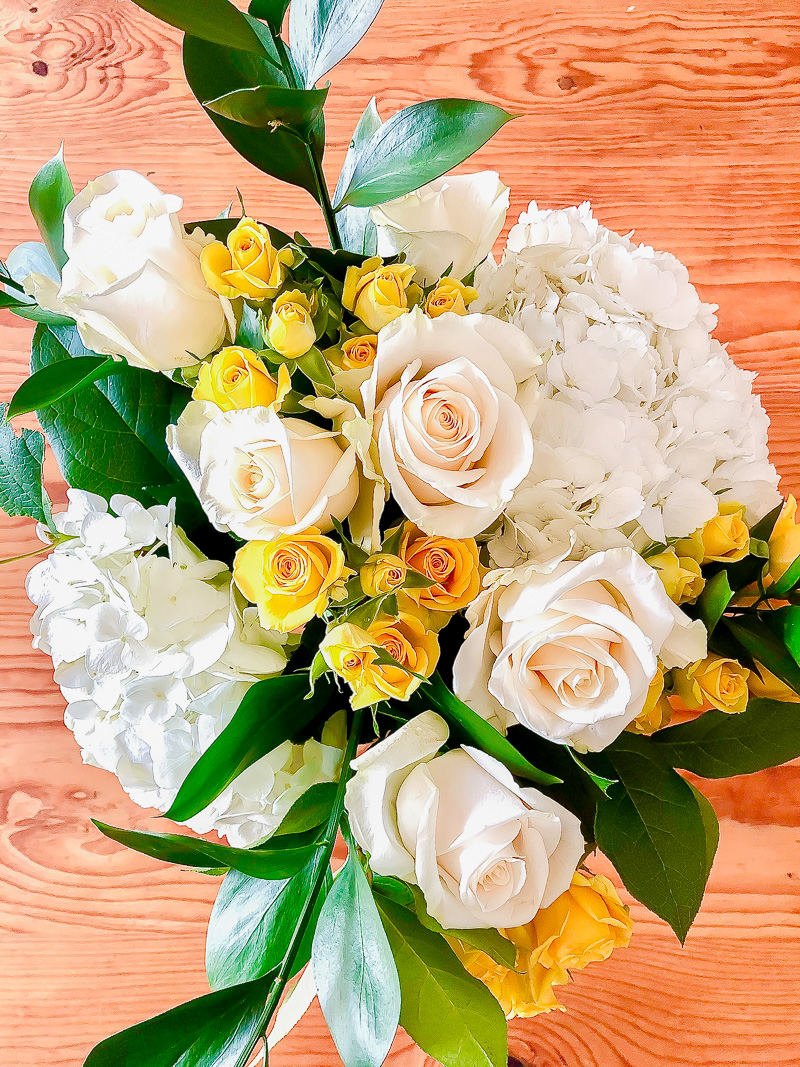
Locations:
(377, 294)
(247, 264)
(236, 378)
(450, 563)
(723, 539)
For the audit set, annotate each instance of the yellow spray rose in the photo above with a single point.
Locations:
(235, 378)
(723, 539)
(449, 295)
(351, 652)
(377, 294)
(784, 542)
(583, 925)
(450, 562)
(292, 578)
(715, 680)
(359, 352)
(680, 575)
(657, 711)
(382, 573)
(247, 265)
(763, 683)
(290, 328)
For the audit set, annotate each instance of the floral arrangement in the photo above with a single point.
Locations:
(395, 541)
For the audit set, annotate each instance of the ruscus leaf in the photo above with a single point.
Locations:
(50, 193)
(59, 380)
(323, 32)
(270, 107)
(217, 21)
(356, 228)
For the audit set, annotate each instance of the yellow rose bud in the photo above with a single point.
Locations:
(247, 265)
(449, 562)
(351, 651)
(449, 295)
(715, 680)
(763, 683)
(584, 925)
(723, 539)
(382, 573)
(377, 294)
(292, 578)
(680, 574)
(784, 542)
(657, 711)
(359, 352)
(290, 328)
(235, 378)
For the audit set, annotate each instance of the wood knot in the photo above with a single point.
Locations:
(39, 67)
(565, 82)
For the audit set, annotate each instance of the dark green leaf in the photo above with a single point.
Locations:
(717, 745)
(211, 1031)
(354, 971)
(269, 107)
(21, 488)
(271, 11)
(50, 193)
(323, 32)
(652, 830)
(437, 697)
(788, 580)
(602, 783)
(418, 144)
(271, 712)
(713, 600)
(311, 809)
(754, 635)
(784, 623)
(60, 380)
(277, 859)
(217, 21)
(448, 1013)
(356, 228)
(711, 825)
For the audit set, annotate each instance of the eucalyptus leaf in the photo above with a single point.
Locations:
(356, 228)
(59, 380)
(50, 193)
(22, 491)
(323, 32)
(418, 144)
(270, 107)
(217, 21)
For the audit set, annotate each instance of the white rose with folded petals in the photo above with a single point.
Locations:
(571, 654)
(133, 281)
(452, 439)
(484, 851)
(259, 475)
(452, 221)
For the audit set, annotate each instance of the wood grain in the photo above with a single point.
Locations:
(676, 120)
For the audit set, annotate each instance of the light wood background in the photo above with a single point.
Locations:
(676, 119)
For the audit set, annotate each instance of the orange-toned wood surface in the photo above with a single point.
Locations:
(676, 119)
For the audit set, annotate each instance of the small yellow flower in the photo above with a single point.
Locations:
(292, 578)
(235, 378)
(449, 562)
(715, 680)
(247, 265)
(763, 683)
(584, 925)
(657, 711)
(382, 573)
(680, 574)
(290, 328)
(723, 539)
(377, 294)
(449, 295)
(359, 352)
(784, 542)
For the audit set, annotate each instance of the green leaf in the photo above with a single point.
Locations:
(714, 599)
(278, 859)
(315, 368)
(652, 830)
(216, 21)
(716, 745)
(602, 783)
(710, 824)
(323, 32)
(60, 380)
(788, 580)
(355, 972)
(269, 107)
(448, 1013)
(489, 941)
(50, 193)
(272, 12)
(356, 228)
(437, 697)
(763, 645)
(212, 1031)
(311, 809)
(418, 144)
(21, 458)
(271, 712)
(784, 623)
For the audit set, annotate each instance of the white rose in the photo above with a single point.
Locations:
(133, 281)
(571, 654)
(259, 475)
(484, 852)
(453, 442)
(454, 220)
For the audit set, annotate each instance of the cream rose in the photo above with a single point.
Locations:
(259, 475)
(484, 851)
(571, 654)
(453, 442)
(454, 220)
(133, 281)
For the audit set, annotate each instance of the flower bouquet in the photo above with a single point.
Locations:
(393, 541)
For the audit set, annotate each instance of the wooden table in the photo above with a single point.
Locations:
(679, 120)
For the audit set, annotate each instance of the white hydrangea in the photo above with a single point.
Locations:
(154, 649)
(643, 421)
